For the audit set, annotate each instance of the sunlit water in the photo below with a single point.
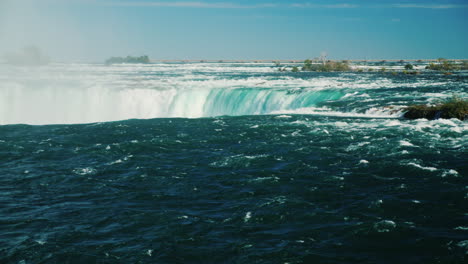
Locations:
(228, 163)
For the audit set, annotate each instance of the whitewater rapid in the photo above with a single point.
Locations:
(85, 93)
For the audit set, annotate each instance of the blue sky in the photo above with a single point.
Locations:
(92, 30)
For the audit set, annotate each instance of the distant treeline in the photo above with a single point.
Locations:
(446, 65)
(317, 65)
(328, 66)
(128, 59)
(320, 66)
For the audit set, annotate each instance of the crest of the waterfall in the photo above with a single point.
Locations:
(84, 93)
(54, 105)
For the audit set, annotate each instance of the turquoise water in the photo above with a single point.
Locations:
(228, 163)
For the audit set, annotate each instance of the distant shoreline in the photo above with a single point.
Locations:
(300, 61)
(268, 61)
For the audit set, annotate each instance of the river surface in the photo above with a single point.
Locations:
(228, 163)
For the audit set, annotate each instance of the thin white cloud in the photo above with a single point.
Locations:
(309, 5)
(430, 6)
(347, 5)
(221, 5)
(233, 5)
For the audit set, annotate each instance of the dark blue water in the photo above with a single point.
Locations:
(256, 189)
(308, 167)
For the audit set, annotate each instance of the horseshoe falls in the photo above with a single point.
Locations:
(70, 94)
(88, 105)
(228, 163)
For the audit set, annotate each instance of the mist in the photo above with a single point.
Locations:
(54, 29)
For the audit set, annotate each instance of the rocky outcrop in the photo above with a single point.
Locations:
(455, 108)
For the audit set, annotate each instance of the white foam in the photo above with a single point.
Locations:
(463, 244)
(393, 123)
(385, 226)
(341, 124)
(84, 171)
(256, 156)
(327, 112)
(247, 216)
(450, 172)
(356, 146)
(41, 242)
(422, 167)
(448, 122)
(115, 162)
(406, 143)
(261, 179)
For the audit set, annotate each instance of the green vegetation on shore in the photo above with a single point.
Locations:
(129, 59)
(454, 108)
(323, 65)
(411, 72)
(329, 66)
(446, 65)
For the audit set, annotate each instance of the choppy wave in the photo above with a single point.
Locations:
(250, 189)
